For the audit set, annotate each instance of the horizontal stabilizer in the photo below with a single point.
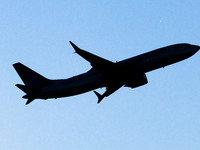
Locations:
(29, 101)
(22, 87)
(26, 89)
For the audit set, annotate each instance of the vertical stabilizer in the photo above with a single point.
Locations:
(30, 78)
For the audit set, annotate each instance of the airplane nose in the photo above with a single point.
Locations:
(195, 48)
(198, 47)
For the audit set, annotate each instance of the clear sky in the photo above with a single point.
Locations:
(164, 114)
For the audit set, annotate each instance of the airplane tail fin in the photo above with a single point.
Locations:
(30, 78)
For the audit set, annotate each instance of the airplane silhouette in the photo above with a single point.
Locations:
(104, 73)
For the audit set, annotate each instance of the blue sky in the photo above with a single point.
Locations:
(164, 114)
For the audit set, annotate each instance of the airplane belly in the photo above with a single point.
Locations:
(76, 87)
(161, 62)
(79, 88)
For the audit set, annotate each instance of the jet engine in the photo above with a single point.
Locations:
(136, 81)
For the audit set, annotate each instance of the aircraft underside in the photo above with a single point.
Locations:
(104, 73)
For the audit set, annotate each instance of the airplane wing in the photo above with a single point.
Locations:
(97, 62)
(108, 68)
(109, 90)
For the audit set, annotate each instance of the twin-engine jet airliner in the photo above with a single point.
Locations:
(104, 73)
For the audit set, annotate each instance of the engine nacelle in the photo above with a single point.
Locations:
(137, 80)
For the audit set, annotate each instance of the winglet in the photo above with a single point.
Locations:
(74, 46)
(100, 97)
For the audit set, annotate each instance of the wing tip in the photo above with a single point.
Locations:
(100, 97)
(76, 48)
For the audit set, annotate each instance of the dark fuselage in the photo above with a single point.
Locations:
(143, 63)
(104, 73)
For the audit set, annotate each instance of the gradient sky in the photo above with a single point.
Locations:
(164, 114)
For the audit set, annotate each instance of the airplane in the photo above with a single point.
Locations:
(104, 73)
